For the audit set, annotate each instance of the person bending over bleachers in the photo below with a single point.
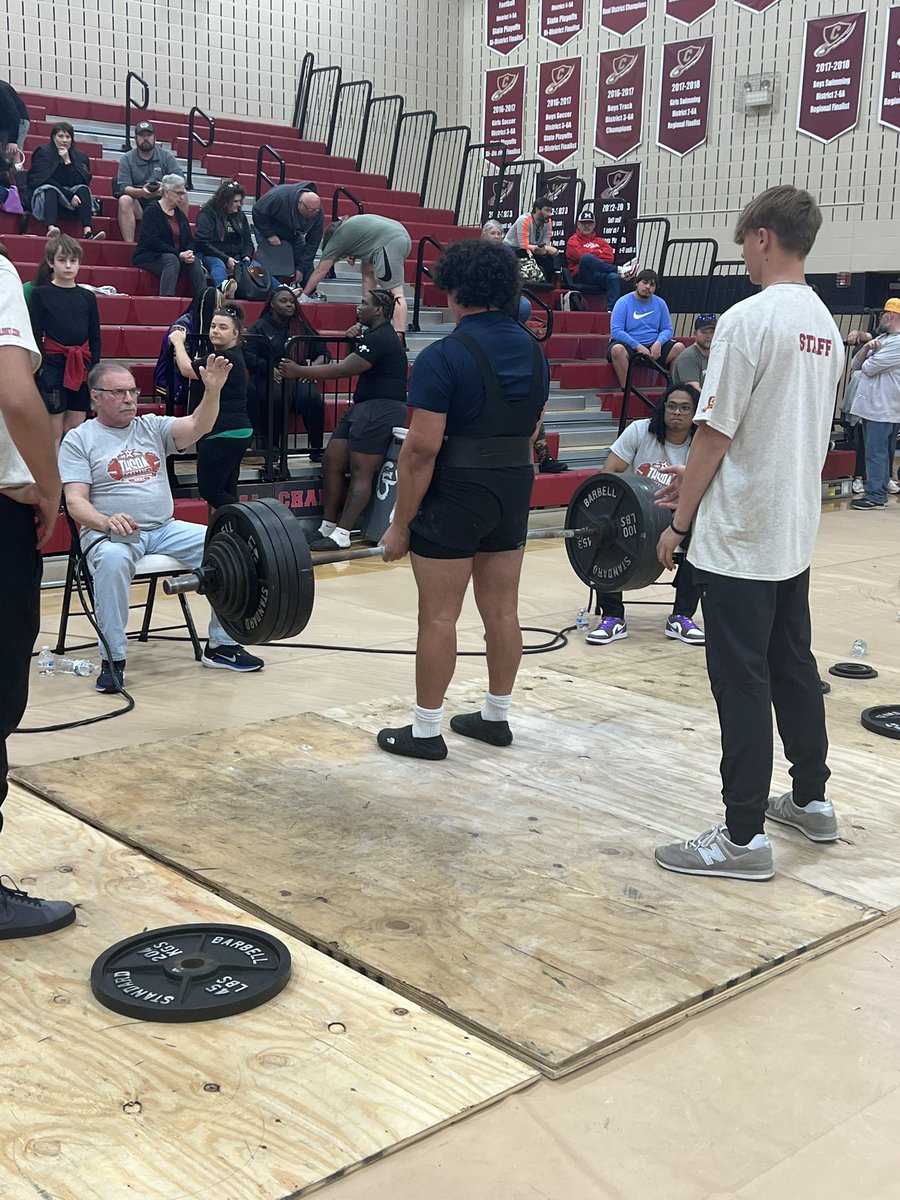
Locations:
(292, 213)
(66, 325)
(223, 236)
(59, 181)
(166, 245)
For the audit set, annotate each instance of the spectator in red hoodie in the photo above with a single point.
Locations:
(591, 260)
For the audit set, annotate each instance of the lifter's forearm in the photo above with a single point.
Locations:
(708, 448)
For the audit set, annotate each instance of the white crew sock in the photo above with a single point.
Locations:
(495, 708)
(341, 536)
(427, 721)
(327, 528)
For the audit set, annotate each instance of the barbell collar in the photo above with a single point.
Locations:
(189, 582)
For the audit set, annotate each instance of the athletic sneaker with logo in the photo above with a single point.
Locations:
(683, 629)
(713, 853)
(816, 821)
(610, 629)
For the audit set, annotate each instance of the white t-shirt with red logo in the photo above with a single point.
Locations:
(770, 386)
(126, 468)
(645, 455)
(15, 330)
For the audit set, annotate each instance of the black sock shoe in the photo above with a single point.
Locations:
(473, 725)
(741, 837)
(401, 741)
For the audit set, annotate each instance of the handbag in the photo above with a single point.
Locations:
(253, 282)
(11, 202)
(530, 270)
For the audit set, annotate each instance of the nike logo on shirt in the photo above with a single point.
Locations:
(640, 316)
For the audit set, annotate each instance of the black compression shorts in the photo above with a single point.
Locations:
(473, 512)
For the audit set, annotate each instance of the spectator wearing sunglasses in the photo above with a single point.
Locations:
(691, 364)
(647, 448)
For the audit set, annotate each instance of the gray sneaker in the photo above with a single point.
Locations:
(712, 853)
(817, 821)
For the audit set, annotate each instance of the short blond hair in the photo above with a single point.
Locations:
(789, 212)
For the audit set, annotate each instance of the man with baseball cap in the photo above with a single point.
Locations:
(690, 366)
(137, 182)
(876, 402)
(591, 259)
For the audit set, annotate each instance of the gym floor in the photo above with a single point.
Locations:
(790, 1088)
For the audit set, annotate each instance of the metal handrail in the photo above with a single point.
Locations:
(393, 98)
(548, 331)
(429, 154)
(291, 344)
(336, 72)
(342, 191)
(341, 90)
(419, 112)
(194, 138)
(301, 100)
(131, 103)
(631, 389)
(421, 272)
(463, 171)
(262, 175)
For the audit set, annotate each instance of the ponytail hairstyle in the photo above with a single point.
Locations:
(235, 313)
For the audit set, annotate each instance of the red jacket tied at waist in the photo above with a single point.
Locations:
(78, 359)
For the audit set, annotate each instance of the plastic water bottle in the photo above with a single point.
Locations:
(859, 648)
(48, 665)
(583, 622)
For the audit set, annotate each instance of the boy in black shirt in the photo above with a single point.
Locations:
(363, 434)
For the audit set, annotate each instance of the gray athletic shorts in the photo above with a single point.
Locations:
(388, 262)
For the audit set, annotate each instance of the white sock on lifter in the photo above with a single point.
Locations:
(427, 721)
(495, 708)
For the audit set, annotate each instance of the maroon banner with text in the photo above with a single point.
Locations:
(561, 20)
(621, 16)
(504, 105)
(504, 24)
(755, 5)
(559, 109)
(890, 73)
(684, 95)
(501, 201)
(688, 11)
(620, 102)
(560, 188)
(617, 193)
(832, 73)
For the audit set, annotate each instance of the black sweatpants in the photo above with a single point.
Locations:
(52, 206)
(20, 603)
(219, 468)
(758, 655)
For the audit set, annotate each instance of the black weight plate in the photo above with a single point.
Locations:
(620, 552)
(191, 972)
(853, 670)
(283, 592)
(883, 719)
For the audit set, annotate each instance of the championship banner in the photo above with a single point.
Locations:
(559, 109)
(684, 95)
(559, 188)
(755, 5)
(617, 193)
(621, 16)
(832, 74)
(501, 201)
(688, 11)
(504, 24)
(890, 73)
(561, 20)
(620, 102)
(504, 105)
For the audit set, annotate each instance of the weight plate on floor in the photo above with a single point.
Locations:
(191, 972)
(853, 670)
(279, 591)
(883, 719)
(619, 552)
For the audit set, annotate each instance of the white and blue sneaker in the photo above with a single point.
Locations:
(230, 658)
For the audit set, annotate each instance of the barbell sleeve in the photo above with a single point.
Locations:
(176, 584)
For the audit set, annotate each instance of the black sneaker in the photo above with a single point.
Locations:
(864, 503)
(325, 543)
(230, 658)
(111, 678)
(316, 456)
(401, 741)
(473, 725)
(552, 466)
(22, 915)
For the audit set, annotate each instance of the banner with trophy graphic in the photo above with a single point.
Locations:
(504, 105)
(617, 193)
(560, 188)
(890, 73)
(504, 24)
(684, 95)
(688, 11)
(501, 199)
(620, 102)
(559, 109)
(561, 20)
(833, 53)
(621, 16)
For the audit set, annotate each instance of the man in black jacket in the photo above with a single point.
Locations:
(291, 212)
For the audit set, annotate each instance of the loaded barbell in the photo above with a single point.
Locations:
(257, 569)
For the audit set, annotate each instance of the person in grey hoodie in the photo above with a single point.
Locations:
(292, 212)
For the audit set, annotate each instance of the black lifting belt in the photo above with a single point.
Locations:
(493, 452)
